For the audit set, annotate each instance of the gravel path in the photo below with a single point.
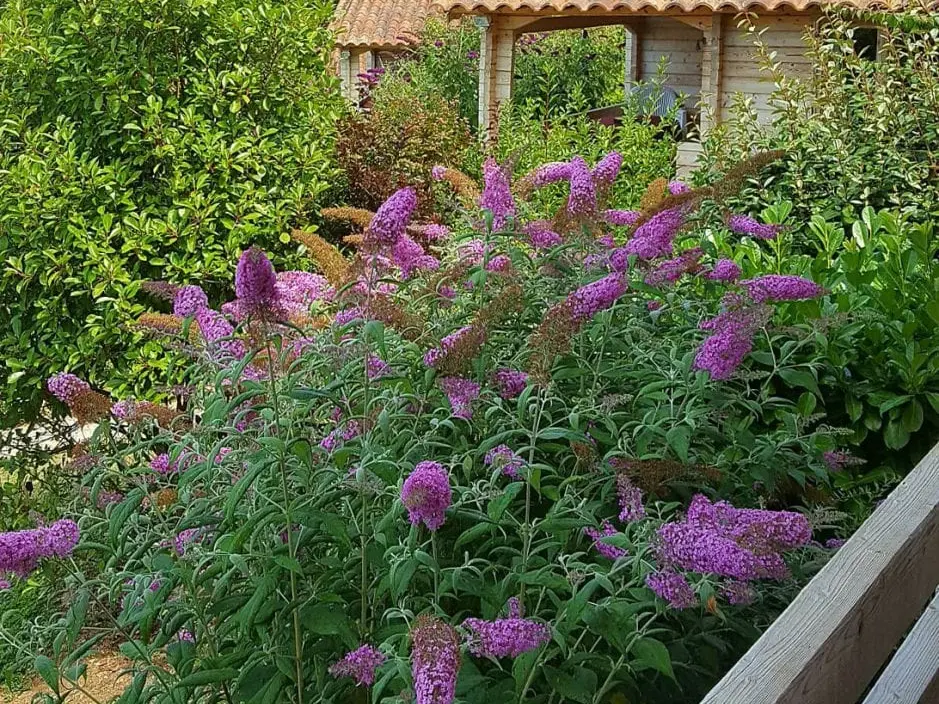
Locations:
(104, 682)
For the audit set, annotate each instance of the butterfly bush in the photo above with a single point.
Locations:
(441, 418)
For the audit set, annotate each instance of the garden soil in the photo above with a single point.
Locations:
(104, 682)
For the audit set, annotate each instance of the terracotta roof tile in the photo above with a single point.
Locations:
(556, 6)
(380, 23)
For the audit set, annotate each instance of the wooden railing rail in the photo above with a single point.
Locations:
(834, 638)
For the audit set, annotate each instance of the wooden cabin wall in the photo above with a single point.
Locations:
(681, 45)
(740, 72)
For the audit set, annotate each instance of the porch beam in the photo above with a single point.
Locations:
(711, 74)
(496, 70)
(551, 24)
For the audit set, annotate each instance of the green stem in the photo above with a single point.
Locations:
(526, 549)
(291, 545)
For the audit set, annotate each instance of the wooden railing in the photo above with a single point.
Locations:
(834, 639)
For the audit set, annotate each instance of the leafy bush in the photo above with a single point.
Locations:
(144, 139)
(556, 74)
(648, 154)
(862, 143)
(453, 443)
(859, 132)
(396, 143)
(559, 73)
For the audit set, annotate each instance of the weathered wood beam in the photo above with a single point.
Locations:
(913, 673)
(712, 84)
(496, 70)
(551, 24)
(346, 75)
(831, 641)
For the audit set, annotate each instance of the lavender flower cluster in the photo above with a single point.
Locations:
(426, 494)
(21, 551)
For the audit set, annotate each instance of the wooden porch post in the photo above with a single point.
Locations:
(496, 70)
(711, 74)
(346, 74)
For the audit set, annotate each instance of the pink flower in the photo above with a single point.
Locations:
(779, 287)
(392, 218)
(189, 300)
(426, 495)
(360, 664)
(255, 281)
(609, 551)
(541, 235)
(583, 195)
(461, 393)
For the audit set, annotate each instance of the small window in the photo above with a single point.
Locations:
(865, 43)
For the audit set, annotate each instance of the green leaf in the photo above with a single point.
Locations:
(498, 505)
(48, 671)
(289, 563)
(651, 653)
(204, 677)
(578, 686)
(679, 440)
(801, 379)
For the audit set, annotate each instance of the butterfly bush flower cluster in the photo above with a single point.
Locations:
(725, 270)
(435, 660)
(741, 545)
(671, 270)
(426, 494)
(731, 337)
(392, 218)
(630, 500)
(504, 458)
(745, 225)
(606, 531)
(505, 637)
(67, 387)
(781, 287)
(510, 383)
(21, 551)
(541, 234)
(360, 664)
(838, 460)
(189, 300)
(497, 194)
(589, 300)
(672, 587)
(461, 394)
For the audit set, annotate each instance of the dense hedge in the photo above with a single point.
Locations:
(142, 139)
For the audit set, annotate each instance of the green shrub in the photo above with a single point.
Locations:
(859, 132)
(556, 74)
(397, 143)
(265, 533)
(529, 141)
(862, 173)
(141, 140)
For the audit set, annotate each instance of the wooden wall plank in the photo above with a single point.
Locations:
(829, 644)
(915, 666)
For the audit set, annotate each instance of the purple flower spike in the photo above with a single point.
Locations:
(724, 270)
(497, 195)
(189, 300)
(392, 218)
(509, 382)
(541, 235)
(673, 588)
(461, 393)
(654, 237)
(607, 169)
(504, 458)
(435, 660)
(745, 225)
(589, 300)
(780, 287)
(20, 551)
(67, 387)
(554, 172)
(505, 637)
(583, 196)
(622, 218)
(426, 495)
(255, 281)
(609, 551)
(360, 664)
